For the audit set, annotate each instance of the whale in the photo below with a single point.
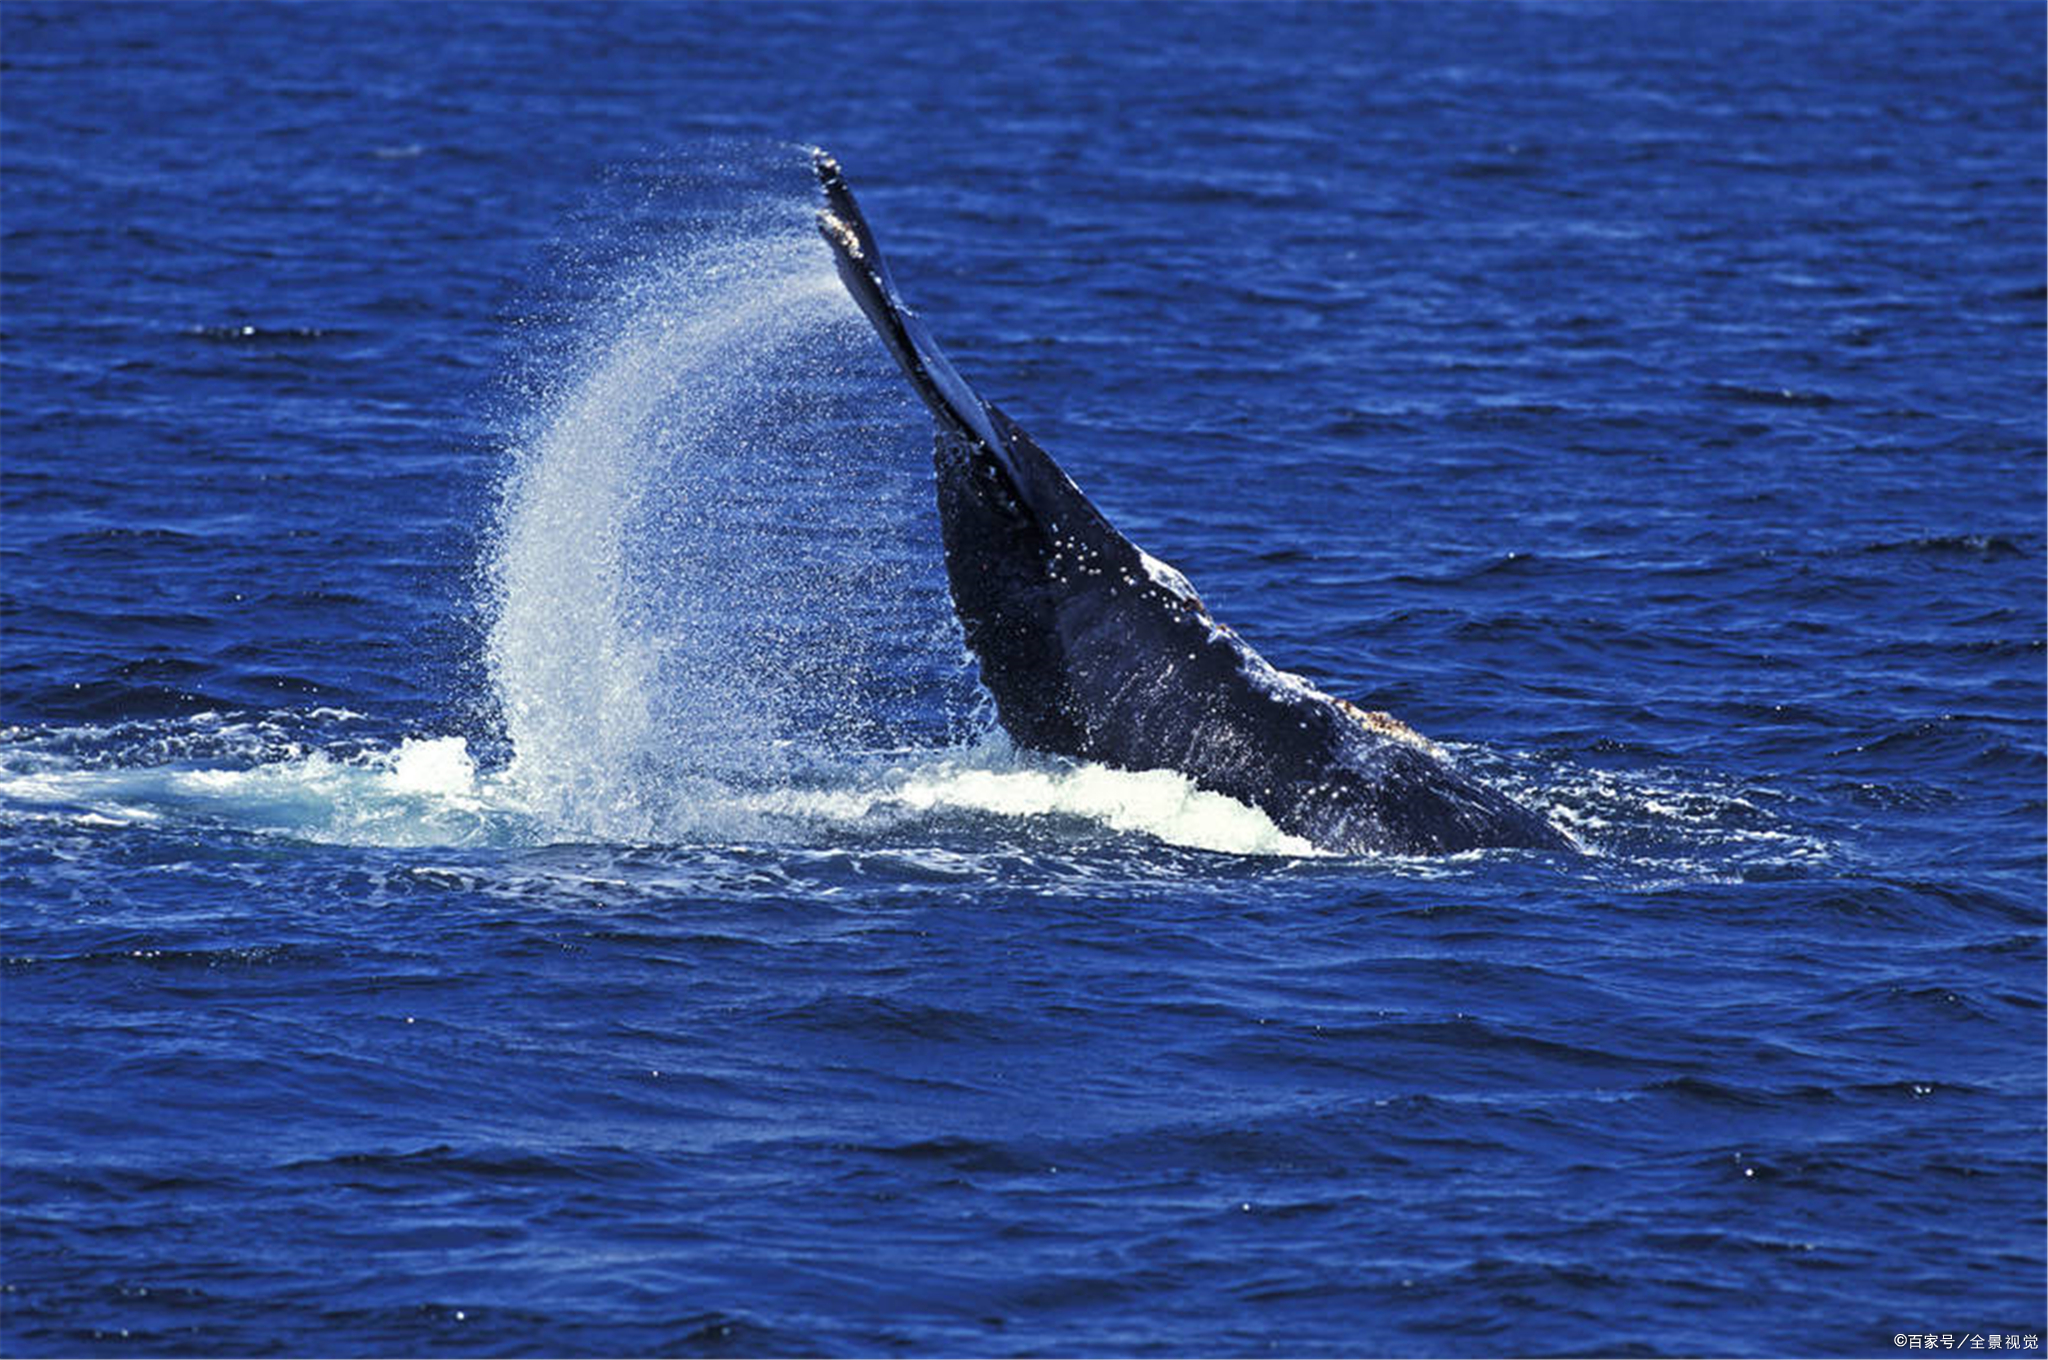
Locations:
(1095, 650)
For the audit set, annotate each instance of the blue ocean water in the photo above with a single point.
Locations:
(503, 851)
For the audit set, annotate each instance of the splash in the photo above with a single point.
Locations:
(720, 602)
(708, 571)
(422, 792)
(303, 777)
(430, 792)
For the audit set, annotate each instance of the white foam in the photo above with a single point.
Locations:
(1162, 804)
(1159, 803)
(429, 792)
(438, 766)
(1694, 821)
(245, 774)
(419, 793)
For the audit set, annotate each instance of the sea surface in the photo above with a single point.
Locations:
(503, 851)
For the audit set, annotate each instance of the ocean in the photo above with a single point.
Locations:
(504, 851)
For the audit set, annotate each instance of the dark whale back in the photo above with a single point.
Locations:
(1093, 649)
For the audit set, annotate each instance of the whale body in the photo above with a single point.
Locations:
(1096, 650)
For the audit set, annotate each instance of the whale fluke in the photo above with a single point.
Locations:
(1092, 648)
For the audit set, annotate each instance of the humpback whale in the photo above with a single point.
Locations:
(1096, 650)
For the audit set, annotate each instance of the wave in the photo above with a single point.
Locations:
(1669, 824)
(1984, 547)
(430, 792)
(323, 776)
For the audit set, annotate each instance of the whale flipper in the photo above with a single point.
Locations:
(1093, 649)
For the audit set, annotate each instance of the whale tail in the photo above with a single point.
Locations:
(1029, 473)
(1093, 649)
(866, 277)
